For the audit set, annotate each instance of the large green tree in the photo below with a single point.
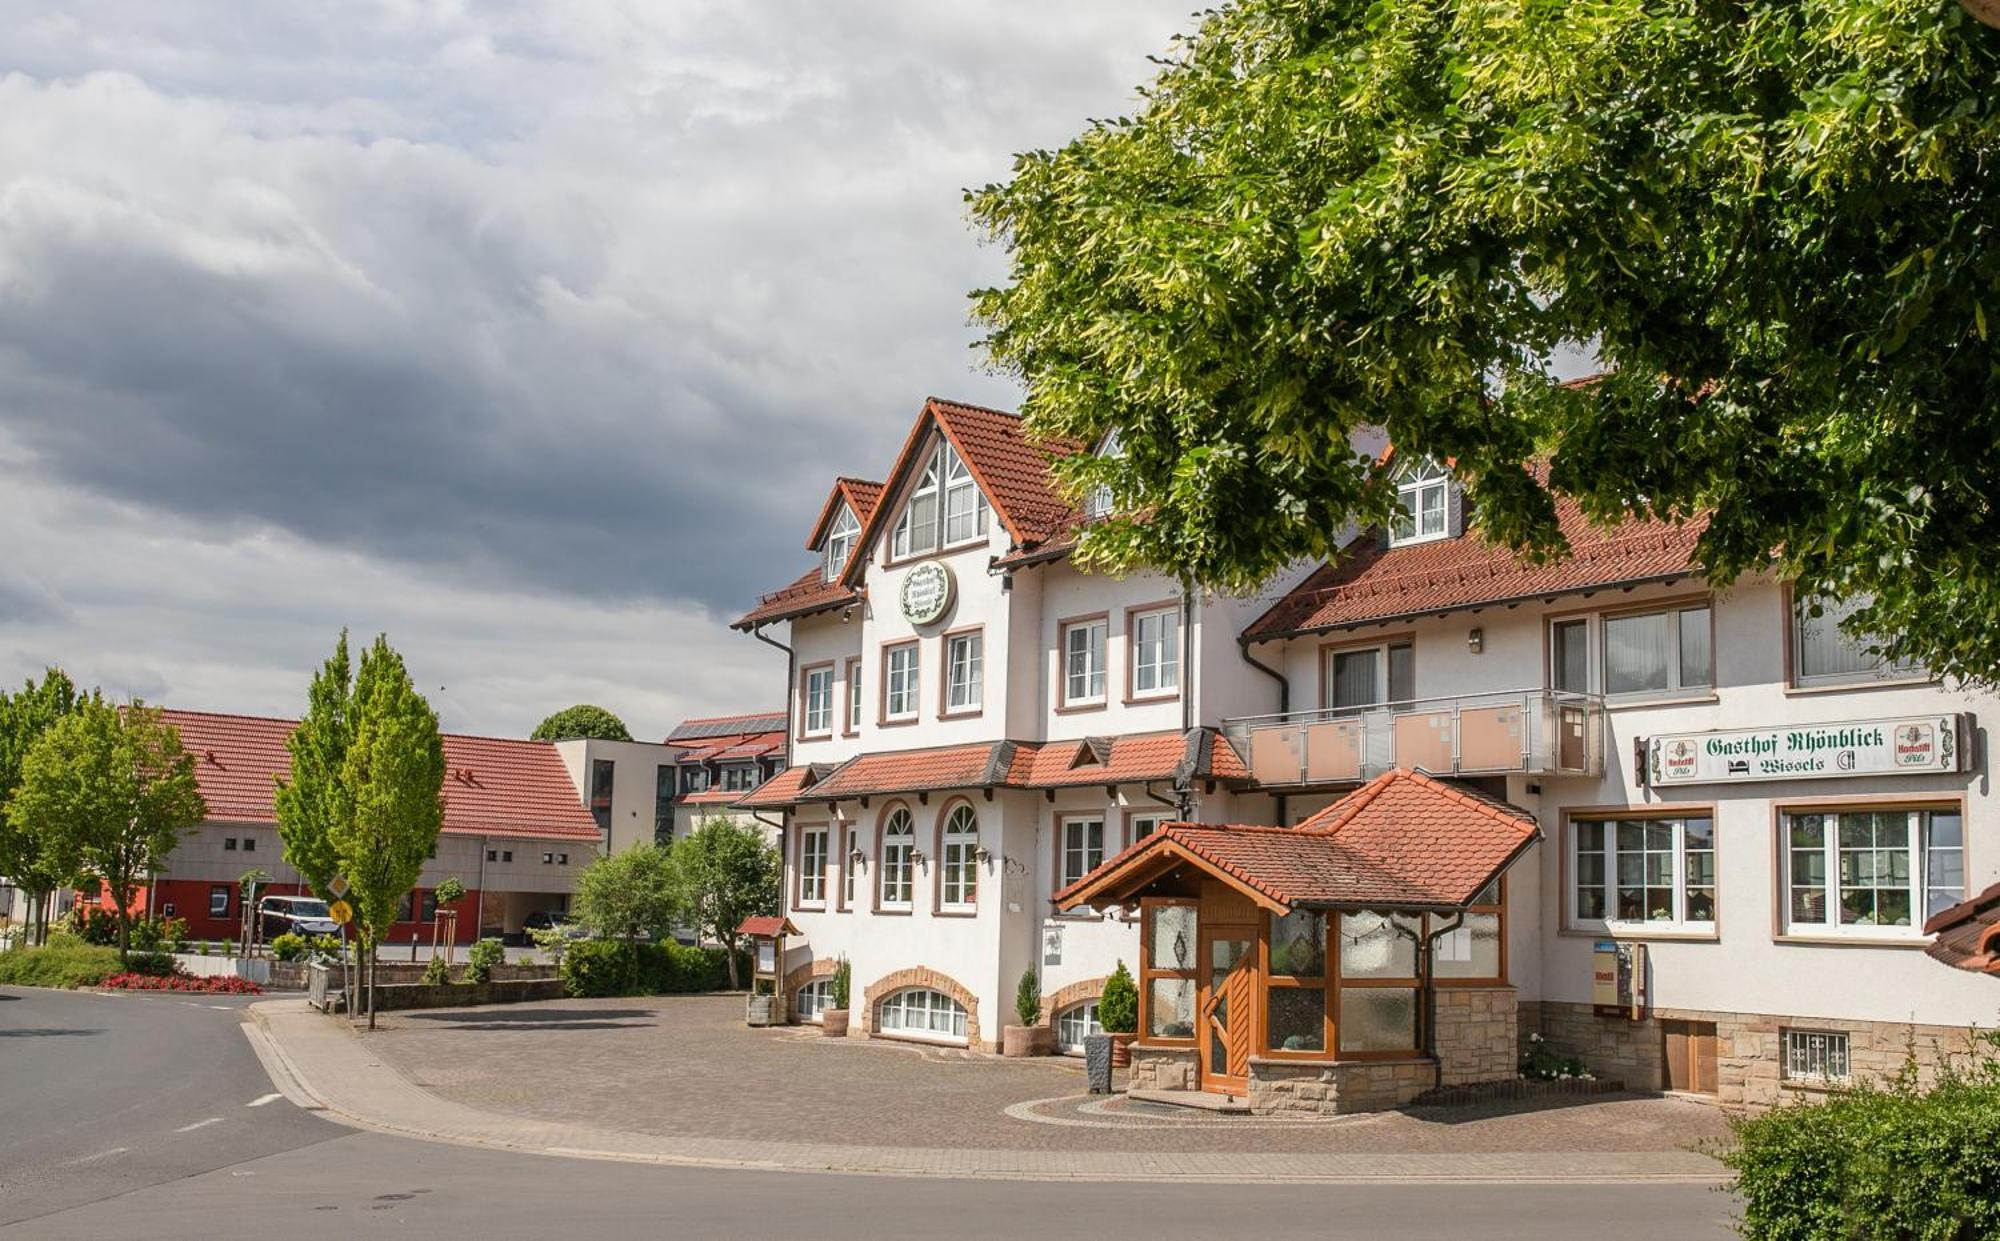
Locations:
(726, 873)
(582, 720)
(312, 799)
(25, 716)
(630, 894)
(113, 790)
(392, 792)
(1772, 221)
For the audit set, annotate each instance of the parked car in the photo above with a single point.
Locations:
(299, 915)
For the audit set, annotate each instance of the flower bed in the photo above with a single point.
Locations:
(213, 985)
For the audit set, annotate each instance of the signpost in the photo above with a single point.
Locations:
(1903, 746)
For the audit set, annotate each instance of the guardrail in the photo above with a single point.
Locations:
(1530, 732)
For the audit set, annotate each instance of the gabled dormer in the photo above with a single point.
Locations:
(838, 531)
(1430, 503)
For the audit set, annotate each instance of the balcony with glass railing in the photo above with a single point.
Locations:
(1538, 732)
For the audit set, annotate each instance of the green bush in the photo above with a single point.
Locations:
(157, 964)
(1118, 1007)
(843, 982)
(289, 947)
(64, 962)
(481, 958)
(327, 947)
(437, 973)
(1875, 1162)
(600, 967)
(1028, 999)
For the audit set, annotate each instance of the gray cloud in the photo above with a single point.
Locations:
(581, 302)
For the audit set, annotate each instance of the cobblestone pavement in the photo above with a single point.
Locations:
(688, 1066)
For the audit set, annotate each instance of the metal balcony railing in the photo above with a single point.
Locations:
(1528, 732)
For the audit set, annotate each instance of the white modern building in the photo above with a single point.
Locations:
(1738, 821)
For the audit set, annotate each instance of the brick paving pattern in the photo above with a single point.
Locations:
(687, 1066)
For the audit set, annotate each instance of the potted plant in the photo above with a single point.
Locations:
(1118, 1013)
(833, 1020)
(1031, 1037)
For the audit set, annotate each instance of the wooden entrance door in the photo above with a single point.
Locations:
(1690, 1055)
(1227, 1005)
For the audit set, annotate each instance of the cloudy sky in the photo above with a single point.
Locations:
(529, 333)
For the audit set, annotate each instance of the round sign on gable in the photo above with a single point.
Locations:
(926, 595)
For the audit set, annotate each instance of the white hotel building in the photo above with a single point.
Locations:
(1744, 822)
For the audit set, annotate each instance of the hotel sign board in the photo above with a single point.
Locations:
(1909, 745)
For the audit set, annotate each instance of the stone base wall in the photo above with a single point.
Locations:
(1336, 1087)
(1478, 1034)
(1163, 1068)
(1750, 1048)
(882, 988)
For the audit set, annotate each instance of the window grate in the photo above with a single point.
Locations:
(1816, 1055)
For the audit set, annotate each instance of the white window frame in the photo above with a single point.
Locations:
(1412, 523)
(902, 681)
(949, 494)
(919, 1012)
(898, 865)
(1384, 655)
(854, 699)
(848, 868)
(1146, 823)
(1156, 660)
(1074, 1024)
(812, 1000)
(1921, 856)
(818, 702)
(1098, 503)
(1833, 613)
(1080, 852)
(1084, 679)
(812, 865)
(965, 671)
(958, 879)
(840, 540)
(1823, 1056)
(1608, 853)
(1597, 645)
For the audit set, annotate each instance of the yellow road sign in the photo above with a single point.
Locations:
(341, 912)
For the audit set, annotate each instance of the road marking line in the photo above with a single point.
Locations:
(116, 1150)
(261, 1100)
(199, 1124)
(220, 1007)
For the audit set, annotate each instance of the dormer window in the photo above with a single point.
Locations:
(946, 503)
(840, 542)
(1097, 502)
(1423, 498)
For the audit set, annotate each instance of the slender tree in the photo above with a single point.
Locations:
(25, 716)
(114, 789)
(392, 779)
(726, 874)
(313, 799)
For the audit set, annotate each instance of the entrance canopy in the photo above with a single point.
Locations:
(1402, 841)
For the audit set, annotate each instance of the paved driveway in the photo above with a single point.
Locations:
(688, 1066)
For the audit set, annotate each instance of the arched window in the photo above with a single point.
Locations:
(1074, 1024)
(945, 508)
(899, 840)
(1423, 494)
(930, 1014)
(960, 870)
(814, 999)
(840, 541)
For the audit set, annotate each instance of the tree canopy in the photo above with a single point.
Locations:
(24, 717)
(1772, 223)
(631, 894)
(726, 873)
(582, 720)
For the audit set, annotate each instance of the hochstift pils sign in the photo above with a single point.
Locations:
(1910, 745)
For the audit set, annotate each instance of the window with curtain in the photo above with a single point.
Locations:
(1295, 988)
(1167, 970)
(1378, 982)
(853, 695)
(1654, 872)
(965, 657)
(819, 700)
(1423, 499)
(1370, 676)
(1824, 653)
(1658, 652)
(1083, 661)
(812, 865)
(1156, 651)
(899, 696)
(1870, 871)
(1082, 846)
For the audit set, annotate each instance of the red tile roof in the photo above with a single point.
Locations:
(1402, 840)
(781, 790)
(858, 494)
(810, 593)
(1372, 583)
(1968, 934)
(913, 771)
(767, 925)
(494, 786)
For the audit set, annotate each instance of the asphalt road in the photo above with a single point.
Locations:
(147, 1116)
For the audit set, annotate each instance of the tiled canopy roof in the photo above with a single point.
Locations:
(1373, 583)
(493, 786)
(810, 593)
(1201, 754)
(859, 494)
(1403, 840)
(1968, 934)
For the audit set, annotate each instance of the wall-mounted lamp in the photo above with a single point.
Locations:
(1475, 640)
(855, 859)
(917, 856)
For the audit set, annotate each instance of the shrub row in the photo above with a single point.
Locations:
(599, 967)
(1876, 1162)
(66, 961)
(217, 985)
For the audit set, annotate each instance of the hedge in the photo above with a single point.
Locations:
(63, 963)
(1876, 1162)
(600, 967)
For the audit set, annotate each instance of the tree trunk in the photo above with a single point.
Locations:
(371, 984)
(729, 955)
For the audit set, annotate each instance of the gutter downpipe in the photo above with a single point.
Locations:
(1185, 789)
(1426, 952)
(791, 687)
(1284, 706)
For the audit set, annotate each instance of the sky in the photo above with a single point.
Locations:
(530, 334)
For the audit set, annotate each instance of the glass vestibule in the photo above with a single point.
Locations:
(1321, 984)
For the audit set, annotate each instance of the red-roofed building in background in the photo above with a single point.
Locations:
(720, 758)
(993, 755)
(516, 830)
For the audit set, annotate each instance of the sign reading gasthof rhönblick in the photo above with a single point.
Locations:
(926, 592)
(1907, 746)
